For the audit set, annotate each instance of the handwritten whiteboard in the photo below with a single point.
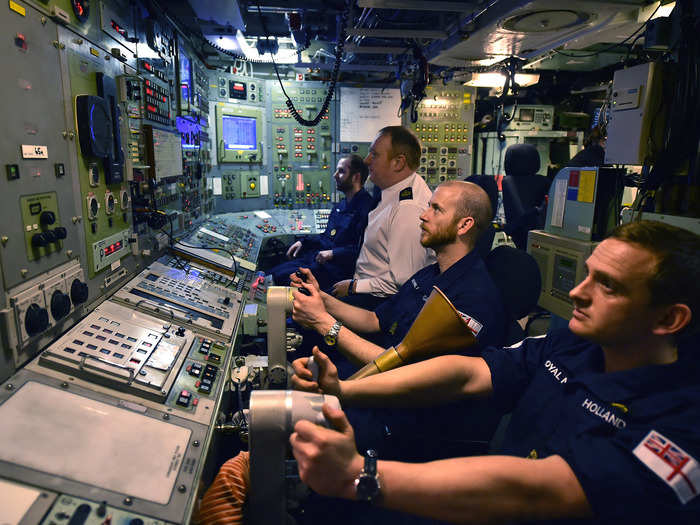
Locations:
(364, 111)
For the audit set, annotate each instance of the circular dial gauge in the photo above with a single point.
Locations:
(93, 207)
(109, 203)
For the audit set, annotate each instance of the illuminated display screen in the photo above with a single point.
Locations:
(237, 90)
(527, 115)
(239, 132)
(185, 77)
(109, 250)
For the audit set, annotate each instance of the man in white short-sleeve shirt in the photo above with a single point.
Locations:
(391, 251)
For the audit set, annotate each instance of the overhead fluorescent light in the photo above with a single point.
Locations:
(286, 54)
(498, 80)
(660, 11)
(238, 43)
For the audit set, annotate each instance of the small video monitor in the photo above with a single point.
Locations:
(239, 133)
(527, 114)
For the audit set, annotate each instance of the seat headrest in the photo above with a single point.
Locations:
(488, 183)
(522, 159)
(517, 276)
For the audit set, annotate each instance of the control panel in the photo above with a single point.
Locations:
(43, 233)
(239, 133)
(445, 129)
(99, 146)
(43, 303)
(530, 117)
(70, 509)
(302, 160)
(131, 353)
(185, 297)
(237, 88)
(110, 249)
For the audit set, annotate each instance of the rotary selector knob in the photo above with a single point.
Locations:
(47, 218)
(78, 291)
(39, 240)
(50, 236)
(36, 320)
(60, 233)
(60, 304)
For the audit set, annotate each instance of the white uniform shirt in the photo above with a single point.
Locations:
(391, 251)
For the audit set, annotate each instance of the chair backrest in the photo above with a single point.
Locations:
(488, 183)
(521, 159)
(517, 276)
(523, 191)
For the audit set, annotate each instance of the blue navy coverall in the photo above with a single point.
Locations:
(468, 286)
(343, 235)
(632, 437)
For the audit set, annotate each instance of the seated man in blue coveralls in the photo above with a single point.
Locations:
(605, 413)
(332, 254)
(458, 212)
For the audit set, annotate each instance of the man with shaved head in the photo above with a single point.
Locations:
(458, 213)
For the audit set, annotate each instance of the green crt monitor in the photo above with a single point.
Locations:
(239, 134)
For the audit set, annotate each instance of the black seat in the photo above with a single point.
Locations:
(523, 192)
(517, 276)
(488, 183)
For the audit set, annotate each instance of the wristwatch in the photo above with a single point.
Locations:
(331, 338)
(367, 486)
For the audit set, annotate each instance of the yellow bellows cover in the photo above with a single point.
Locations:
(439, 329)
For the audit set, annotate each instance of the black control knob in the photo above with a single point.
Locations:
(60, 233)
(180, 332)
(36, 320)
(78, 291)
(47, 218)
(39, 240)
(50, 236)
(60, 304)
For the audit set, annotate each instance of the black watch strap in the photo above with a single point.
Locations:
(370, 463)
(367, 485)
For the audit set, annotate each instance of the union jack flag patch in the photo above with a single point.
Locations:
(474, 325)
(675, 466)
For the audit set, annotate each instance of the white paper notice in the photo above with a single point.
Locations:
(364, 111)
(15, 501)
(559, 202)
(217, 185)
(264, 185)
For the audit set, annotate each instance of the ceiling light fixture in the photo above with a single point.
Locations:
(286, 53)
(498, 80)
